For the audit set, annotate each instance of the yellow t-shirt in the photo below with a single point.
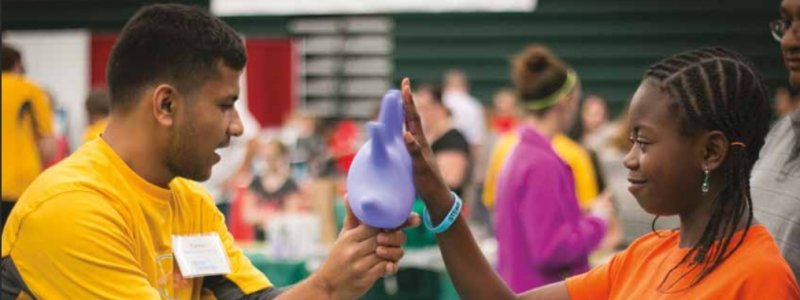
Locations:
(571, 152)
(580, 162)
(91, 228)
(500, 151)
(95, 130)
(26, 116)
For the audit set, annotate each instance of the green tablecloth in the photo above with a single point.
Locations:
(411, 283)
(279, 272)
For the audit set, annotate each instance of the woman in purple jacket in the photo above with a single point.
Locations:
(542, 234)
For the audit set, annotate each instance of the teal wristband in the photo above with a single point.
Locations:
(448, 220)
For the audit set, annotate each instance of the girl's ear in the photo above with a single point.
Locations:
(715, 148)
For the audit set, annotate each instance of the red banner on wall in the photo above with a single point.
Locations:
(270, 80)
(100, 48)
(270, 75)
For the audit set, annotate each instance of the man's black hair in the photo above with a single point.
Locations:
(170, 43)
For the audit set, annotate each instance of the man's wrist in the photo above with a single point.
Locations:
(322, 285)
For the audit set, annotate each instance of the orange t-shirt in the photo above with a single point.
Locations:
(756, 270)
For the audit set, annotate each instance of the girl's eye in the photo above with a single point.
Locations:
(642, 144)
(638, 142)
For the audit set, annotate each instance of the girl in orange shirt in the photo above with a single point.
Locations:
(697, 122)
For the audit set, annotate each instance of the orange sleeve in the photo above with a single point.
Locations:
(596, 284)
(766, 280)
(590, 285)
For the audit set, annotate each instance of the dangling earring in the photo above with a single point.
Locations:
(706, 184)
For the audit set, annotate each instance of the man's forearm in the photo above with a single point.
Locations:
(311, 288)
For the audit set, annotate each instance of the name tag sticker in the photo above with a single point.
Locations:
(200, 255)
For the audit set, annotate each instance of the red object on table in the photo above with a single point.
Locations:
(241, 231)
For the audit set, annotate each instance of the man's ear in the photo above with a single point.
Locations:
(715, 148)
(164, 99)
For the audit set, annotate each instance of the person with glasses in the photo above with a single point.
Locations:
(775, 181)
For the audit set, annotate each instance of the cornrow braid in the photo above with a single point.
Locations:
(718, 89)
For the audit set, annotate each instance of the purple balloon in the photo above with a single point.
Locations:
(380, 186)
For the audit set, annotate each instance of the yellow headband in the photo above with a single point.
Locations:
(566, 88)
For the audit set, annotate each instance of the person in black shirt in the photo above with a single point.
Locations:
(449, 145)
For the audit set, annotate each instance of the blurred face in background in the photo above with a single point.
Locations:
(274, 153)
(594, 113)
(505, 103)
(430, 111)
(307, 125)
(304, 123)
(790, 42)
(785, 103)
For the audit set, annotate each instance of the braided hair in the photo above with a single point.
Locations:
(718, 89)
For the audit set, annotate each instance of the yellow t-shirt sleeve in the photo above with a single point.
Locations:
(583, 172)
(585, 179)
(243, 273)
(42, 112)
(501, 151)
(75, 245)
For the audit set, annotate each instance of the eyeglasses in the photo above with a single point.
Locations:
(778, 28)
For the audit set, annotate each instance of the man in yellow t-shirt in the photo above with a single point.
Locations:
(27, 130)
(97, 109)
(122, 219)
(571, 152)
